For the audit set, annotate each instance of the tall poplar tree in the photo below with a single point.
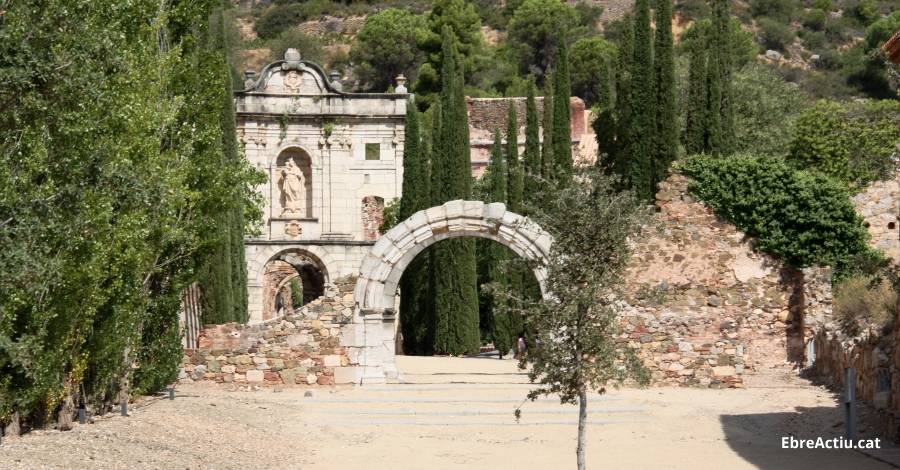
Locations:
(514, 175)
(455, 290)
(562, 114)
(696, 122)
(643, 123)
(666, 135)
(415, 312)
(531, 158)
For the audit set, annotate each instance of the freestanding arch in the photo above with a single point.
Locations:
(381, 269)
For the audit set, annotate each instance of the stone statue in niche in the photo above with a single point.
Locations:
(290, 180)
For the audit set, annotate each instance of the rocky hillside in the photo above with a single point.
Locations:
(820, 44)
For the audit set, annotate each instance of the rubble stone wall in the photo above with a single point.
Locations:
(303, 347)
(704, 307)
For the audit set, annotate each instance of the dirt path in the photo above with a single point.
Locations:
(435, 424)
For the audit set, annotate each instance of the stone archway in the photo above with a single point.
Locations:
(381, 269)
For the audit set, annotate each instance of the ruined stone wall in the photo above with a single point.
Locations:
(876, 359)
(705, 309)
(879, 205)
(300, 348)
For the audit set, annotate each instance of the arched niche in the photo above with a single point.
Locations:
(293, 182)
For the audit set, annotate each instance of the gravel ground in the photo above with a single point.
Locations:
(435, 423)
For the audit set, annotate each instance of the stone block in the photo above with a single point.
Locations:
(494, 210)
(724, 371)
(255, 376)
(228, 369)
(347, 375)
(332, 360)
(297, 340)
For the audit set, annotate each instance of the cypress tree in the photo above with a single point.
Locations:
(714, 133)
(532, 155)
(547, 161)
(643, 125)
(666, 141)
(514, 175)
(562, 114)
(722, 46)
(415, 318)
(455, 290)
(619, 123)
(497, 254)
(696, 119)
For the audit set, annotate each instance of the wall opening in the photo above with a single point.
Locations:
(291, 279)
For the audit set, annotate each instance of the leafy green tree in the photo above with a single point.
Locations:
(741, 46)
(880, 31)
(385, 48)
(533, 32)
(91, 273)
(562, 114)
(453, 263)
(853, 143)
(592, 79)
(666, 144)
(643, 106)
(531, 157)
(465, 25)
(766, 108)
(577, 323)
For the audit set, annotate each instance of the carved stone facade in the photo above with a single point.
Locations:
(325, 153)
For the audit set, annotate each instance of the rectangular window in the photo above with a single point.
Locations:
(373, 151)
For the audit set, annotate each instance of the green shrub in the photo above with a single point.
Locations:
(805, 218)
(824, 5)
(813, 40)
(310, 47)
(879, 31)
(782, 10)
(815, 19)
(866, 11)
(854, 143)
(278, 18)
(693, 9)
(862, 302)
(775, 35)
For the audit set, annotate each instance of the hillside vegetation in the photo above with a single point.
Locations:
(828, 47)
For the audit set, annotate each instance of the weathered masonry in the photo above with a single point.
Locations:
(346, 337)
(333, 160)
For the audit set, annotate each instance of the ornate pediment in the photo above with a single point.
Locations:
(292, 76)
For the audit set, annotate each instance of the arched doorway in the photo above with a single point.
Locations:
(381, 270)
(292, 278)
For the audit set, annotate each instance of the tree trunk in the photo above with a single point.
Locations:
(14, 428)
(66, 412)
(582, 426)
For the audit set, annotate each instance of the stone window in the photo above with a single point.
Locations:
(372, 217)
(373, 151)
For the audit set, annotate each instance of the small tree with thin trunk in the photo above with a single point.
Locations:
(576, 324)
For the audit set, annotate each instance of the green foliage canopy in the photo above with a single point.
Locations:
(805, 218)
(386, 47)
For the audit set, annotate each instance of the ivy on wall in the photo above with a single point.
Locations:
(803, 217)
